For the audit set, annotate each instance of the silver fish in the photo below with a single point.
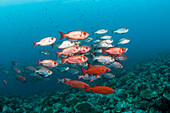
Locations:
(101, 31)
(121, 30)
(124, 41)
(105, 37)
(46, 52)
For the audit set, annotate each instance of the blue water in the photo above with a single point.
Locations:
(22, 23)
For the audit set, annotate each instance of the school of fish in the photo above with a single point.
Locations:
(84, 57)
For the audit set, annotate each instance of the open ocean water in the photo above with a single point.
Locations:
(138, 82)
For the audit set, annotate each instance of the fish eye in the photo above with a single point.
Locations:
(55, 63)
(71, 41)
(86, 47)
(76, 47)
(84, 33)
(52, 38)
(48, 71)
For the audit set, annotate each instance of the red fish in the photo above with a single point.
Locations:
(78, 35)
(16, 70)
(5, 82)
(114, 50)
(45, 41)
(76, 83)
(68, 51)
(100, 89)
(102, 66)
(94, 71)
(84, 49)
(20, 78)
(48, 63)
(74, 59)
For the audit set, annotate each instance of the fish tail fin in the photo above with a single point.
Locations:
(66, 81)
(39, 62)
(84, 71)
(87, 88)
(35, 43)
(62, 35)
(59, 80)
(94, 58)
(104, 50)
(57, 53)
(63, 60)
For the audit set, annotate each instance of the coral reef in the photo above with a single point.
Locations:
(143, 87)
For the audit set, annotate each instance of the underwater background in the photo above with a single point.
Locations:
(141, 86)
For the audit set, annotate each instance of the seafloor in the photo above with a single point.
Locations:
(141, 88)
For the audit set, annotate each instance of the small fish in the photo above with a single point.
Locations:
(116, 64)
(124, 41)
(20, 78)
(101, 31)
(104, 59)
(45, 41)
(121, 30)
(16, 70)
(68, 51)
(62, 68)
(101, 66)
(98, 51)
(108, 75)
(107, 41)
(86, 40)
(5, 82)
(44, 72)
(46, 52)
(87, 77)
(73, 71)
(14, 63)
(114, 50)
(100, 89)
(29, 69)
(84, 49)
(66, 44)
(121, 57)
(78, 35)
(105, 37)
(74, 59)
(76, 83)
(100, 44)
(48, 63)
(94, 71)
(96, 41)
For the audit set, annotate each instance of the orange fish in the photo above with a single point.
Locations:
(45, 41)
(102, 66)
(48, 63)
(78, 35)
(74, 59)
(20, 78)
(114, 50)
(5, 82)
(68, 51)
(94, 71)
(100, 89)
(75, 83)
